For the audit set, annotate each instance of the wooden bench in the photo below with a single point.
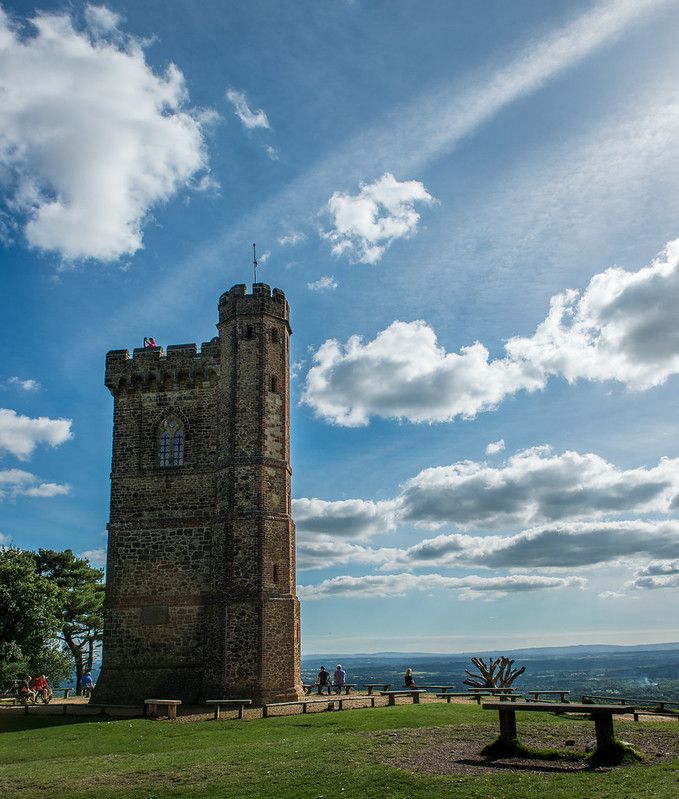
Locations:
(229, 703)
(536, 695)
(448, 695)
(658, 705)
(441, 688)
(503, 694)
(385, 686)
(602, 715)
(337, 689)
(151, 707)
(413, 693)
(340, 701)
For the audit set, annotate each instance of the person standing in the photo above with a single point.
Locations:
(339, 678)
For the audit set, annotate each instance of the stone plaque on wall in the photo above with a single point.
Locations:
(155, 614)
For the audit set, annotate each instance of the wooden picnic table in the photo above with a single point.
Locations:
(414, 693)
(659, 704)
(385, 686)
(441, 688)
(537, 694)
(602, 715)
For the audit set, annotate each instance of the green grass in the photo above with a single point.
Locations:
(499, 749)
(366, 754)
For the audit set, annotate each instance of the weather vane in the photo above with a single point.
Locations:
(254, 262)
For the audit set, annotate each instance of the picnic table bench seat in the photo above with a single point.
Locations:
(413, 693)
(340, 701)
(151, 707)
(441, 688)
(240, 704)
(602, 715)
(660, 704)
(308, 689)
(537, 694)
(448, 695)
(385, 686)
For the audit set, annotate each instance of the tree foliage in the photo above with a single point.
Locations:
(80, 596)
(29, 619)
(51, 606)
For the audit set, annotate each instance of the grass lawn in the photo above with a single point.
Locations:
(403, 751)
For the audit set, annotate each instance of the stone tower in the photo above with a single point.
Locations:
(200, 593)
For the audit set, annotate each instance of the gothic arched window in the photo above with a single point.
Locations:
(171, 442)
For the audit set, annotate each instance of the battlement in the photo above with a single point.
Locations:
(152, 367)
(237, 302)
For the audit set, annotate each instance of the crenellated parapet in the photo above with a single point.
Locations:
(154, 369)
(263, 301)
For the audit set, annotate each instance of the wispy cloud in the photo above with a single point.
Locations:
(411, 136)
(470, 587)
(324, 283)
(16, 482)
(251, 119)
(24, 385)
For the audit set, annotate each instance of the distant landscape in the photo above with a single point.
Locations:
(649, 670)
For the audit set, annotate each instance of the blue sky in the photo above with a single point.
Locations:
(473, 209)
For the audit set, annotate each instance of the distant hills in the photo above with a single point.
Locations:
(579, 650)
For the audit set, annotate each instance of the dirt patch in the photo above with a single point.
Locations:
(457, 750)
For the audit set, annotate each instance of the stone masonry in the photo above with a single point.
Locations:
(200, 594)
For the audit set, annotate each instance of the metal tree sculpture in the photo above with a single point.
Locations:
(497, 674)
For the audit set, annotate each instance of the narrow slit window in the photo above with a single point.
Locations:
(274, 336)
(249, 332)
(275, 573)
(274, 383)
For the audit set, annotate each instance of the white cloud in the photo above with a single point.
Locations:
(96, 557)
(272, 152)
(495, 446)
(390, 585)
(291, 239)
(20, 435)
(251, 119)
(348, 518)
(612, 595)
(101, 18)
(534, 488)
(322, 553)
(16, 482)
(91, 139)
(324, 283)
(24, 385)
(366, 224)
(404, 373)
(564, 545)
(622, 327)
(658, 574)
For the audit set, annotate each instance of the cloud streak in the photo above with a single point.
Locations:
(470, 587)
